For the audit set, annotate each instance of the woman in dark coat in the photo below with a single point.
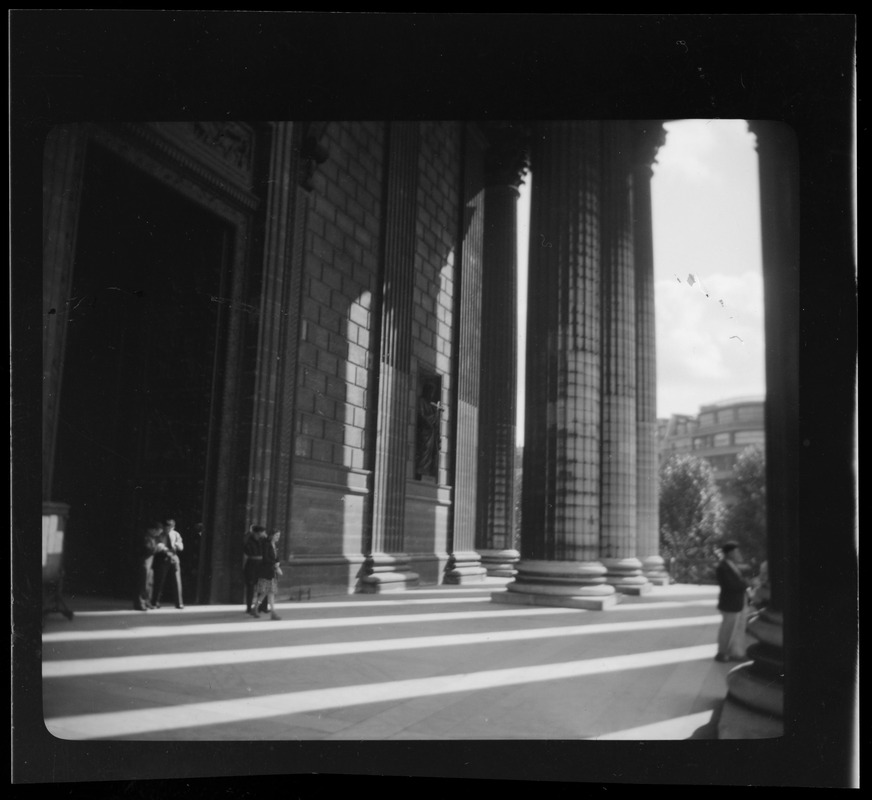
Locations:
(269, 570)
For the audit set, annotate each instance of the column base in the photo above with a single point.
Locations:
(754, 706)
(635, 590)
(500, 563)
(566, 584)
(464, 567)
(456, 577)
(387, 573)
(625, 574)
(740, 722)
(654, 569)
(388, 582)
(556, 601)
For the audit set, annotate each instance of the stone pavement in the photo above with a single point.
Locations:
(433, 663)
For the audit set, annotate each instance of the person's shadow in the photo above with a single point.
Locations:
(710, 729)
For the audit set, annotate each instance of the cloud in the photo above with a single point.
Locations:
(708, 267)
(709, 339)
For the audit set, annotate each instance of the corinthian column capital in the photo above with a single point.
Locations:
(507, 158)
(649, 136)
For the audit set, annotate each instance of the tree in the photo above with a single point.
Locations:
(746, 519)
(691, 517)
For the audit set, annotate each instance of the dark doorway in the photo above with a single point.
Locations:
(141, 386)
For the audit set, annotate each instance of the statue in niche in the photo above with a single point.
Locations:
(428, 438)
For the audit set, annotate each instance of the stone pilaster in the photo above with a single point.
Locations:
(63, 168)
(563, 445)
(284, 442)
(387, 567)
(507, 161)
(464, 563)
(649, 137)
(618, 405)
(755, 702)
(269, 468)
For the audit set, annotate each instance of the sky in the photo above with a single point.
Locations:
(707, 267)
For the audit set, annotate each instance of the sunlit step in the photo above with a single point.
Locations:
(222, 712)
(249, 625)
(164, 661)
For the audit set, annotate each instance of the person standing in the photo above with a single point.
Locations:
(267, 581)
(144, 566)
(731, 603)
(167, 562)
(252, 555)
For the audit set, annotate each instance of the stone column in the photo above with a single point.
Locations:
(464, 564)
(649, 137)
(506, 162)
(563, 444)
(270, 455)
(618, 405)
(305, 156)
(387, 567)
(63, 171)
(754, 706)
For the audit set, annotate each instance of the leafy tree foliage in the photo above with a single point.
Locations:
(746, 519)
(691, 517)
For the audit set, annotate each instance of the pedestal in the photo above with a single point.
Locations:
(465, 567)
(387, 573)
(568, 584)
(625, 574)
(500, 563)
(754, 706)
(654, 570)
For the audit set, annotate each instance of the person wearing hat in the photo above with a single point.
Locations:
(731, 604)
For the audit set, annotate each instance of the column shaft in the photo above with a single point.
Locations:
(464, 563)
(562, 451)
(619, 437)
(754, 707)
(496, 444)
(387, 565)
(649, 137)
(275, 377)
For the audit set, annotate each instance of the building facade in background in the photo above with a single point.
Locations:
(718, 434)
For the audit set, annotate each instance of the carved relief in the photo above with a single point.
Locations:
(428, 438)
(233, 144)
(227, 146)
(312, 153)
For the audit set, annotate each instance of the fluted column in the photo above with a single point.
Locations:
(387, 567)
(754, 706)
(63, 168)
(649, 137)
(619, 436)
(464, 564)
(270, 451)
(506, 162)
(563, 445)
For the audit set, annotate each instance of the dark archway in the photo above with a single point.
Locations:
(138, 402)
